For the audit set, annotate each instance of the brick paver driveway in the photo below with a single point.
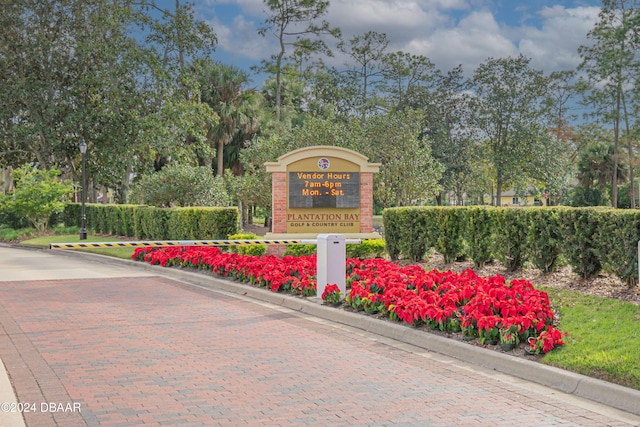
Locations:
(147, 350)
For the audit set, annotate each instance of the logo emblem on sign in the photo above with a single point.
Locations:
(323, 163)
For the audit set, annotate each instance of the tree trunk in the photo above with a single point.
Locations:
(632, 193)
(616, 160)
(180, 44)
(8, 180)
(93, 191)
(123, 191)
(220, 154)
(279, 74)
(241, 212)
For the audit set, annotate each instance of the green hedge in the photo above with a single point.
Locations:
(11, 220)
(372, 248)
(301, 250)
(618, 244)
(255, 250)
(591, 239)
(151, 223)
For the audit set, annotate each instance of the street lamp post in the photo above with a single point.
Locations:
(83, 227)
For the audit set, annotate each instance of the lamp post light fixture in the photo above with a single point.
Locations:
(83, 227)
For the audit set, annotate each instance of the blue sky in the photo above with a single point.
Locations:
(448, 32)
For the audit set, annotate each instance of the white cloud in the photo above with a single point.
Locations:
(359, 16)
(448, 32)
(554, 46)
(401, 20)
(248, 6)
(240, 39)
(474, 39)
(454, 32)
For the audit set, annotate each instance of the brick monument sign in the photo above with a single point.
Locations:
(322, 189)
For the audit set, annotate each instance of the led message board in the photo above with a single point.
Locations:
(324, 189)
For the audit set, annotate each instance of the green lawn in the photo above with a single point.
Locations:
(44, 241)
(604, 334)
(604, 337)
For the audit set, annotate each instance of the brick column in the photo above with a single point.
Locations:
(366, 202)
(279, 201)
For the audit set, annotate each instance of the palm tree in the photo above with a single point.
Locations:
(596, 165)
(222, 88)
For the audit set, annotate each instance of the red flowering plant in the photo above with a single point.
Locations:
(510, 334)
(305, 287)
(356, 294)
(332, 294)
(166, 258)
(546, 341)
(447, 301)
(139, 253)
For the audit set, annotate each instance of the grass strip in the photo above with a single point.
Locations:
(44, 241)
(604, 337)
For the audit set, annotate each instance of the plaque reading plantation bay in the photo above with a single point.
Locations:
(322, 189)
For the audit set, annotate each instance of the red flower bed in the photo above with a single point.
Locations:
(480, 307)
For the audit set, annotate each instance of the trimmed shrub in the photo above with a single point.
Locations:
(479, 235)
(256, 250)
(139, 217)
(182, 224)
(373, 248)
(217, 223)
(391, 226)
(125, 219)
(449, 226)
(510, 237)
(414, 232)
(155, 223)
(543, 238)
(71, 214)
(12, 220)
(98, 219)
(301, 250)
(579, 228)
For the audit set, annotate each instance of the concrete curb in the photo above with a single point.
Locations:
(11, 416)
(613, 395)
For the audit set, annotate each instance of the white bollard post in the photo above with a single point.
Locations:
(331, 262)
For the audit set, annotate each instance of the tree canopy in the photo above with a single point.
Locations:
(138, 81)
